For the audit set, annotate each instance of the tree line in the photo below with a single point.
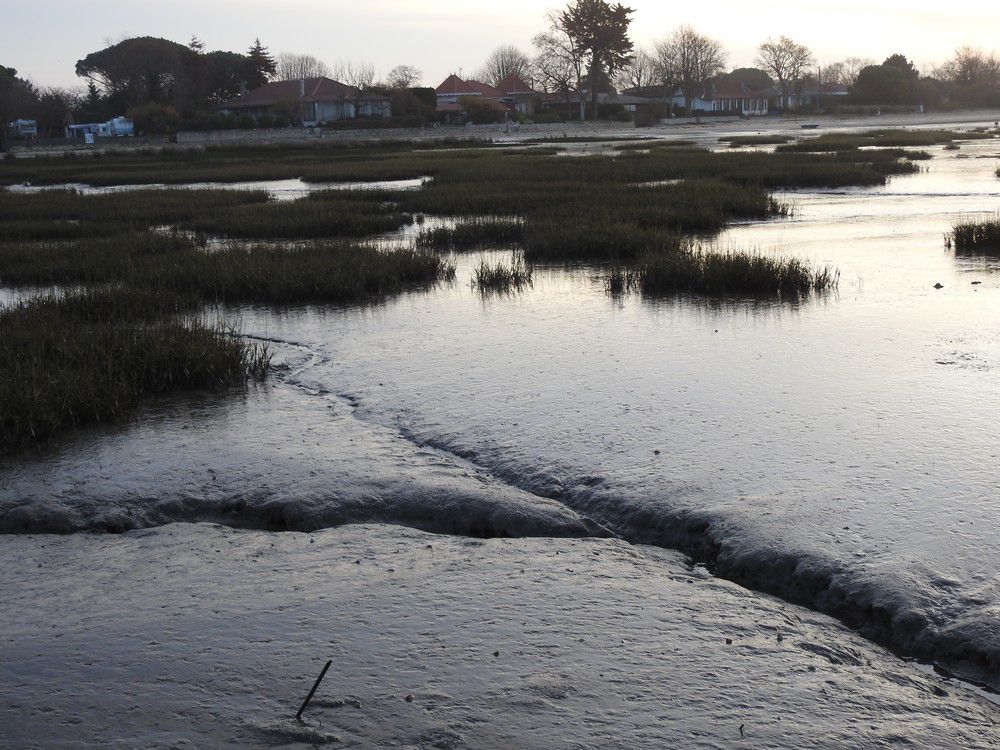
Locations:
(584, 51)
(164, 85)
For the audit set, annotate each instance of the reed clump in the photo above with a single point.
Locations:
(977, 235)
(714, 273)
(502, 276)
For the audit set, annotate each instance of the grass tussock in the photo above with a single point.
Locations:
(94, 356)
(977, 236)
(708, 272)
(474, 232)
(502, 276)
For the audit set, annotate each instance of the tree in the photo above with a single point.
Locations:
(55, 109)
(786, 61)
(640, 72)
(261, 67)
(224, 76)
(599, 33)
(559, 63)
(845, 72)
(404, 77)
(972, 77)
(752, 78)
(504, 62)
(18, 97)
(883, 84)
(139, 70)
(291, 66)
(903, 65)
(689, 59)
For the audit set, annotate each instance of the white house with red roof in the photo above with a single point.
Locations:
(316, 101)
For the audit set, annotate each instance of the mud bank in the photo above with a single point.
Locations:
(206, 636)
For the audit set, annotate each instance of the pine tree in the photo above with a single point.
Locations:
(260, 65)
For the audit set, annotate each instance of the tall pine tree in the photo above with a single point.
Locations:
(260, 65)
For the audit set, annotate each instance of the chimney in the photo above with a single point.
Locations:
(302, 88)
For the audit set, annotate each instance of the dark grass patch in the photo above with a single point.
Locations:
(737, 141)
(879, 138)
(302, 219)
(714, 273)
(474, 232)
(65, 215)
(177, 267)
(94, 356)
(977, 236)
(91, 261)
(502, 276)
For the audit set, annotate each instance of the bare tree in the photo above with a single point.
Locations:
(292, 66)
(560, 64)
(846, 72)
(505, 61)
(690, 59)
(971, 67)
(786, 61)
(361, 74)
(403, 77)
(641, 71)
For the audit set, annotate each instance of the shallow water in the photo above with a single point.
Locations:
(282, 190)
(840, 451)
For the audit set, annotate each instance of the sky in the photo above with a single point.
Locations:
(43, 39)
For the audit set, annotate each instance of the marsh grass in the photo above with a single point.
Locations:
(713, 273)
(302, 220)
(879, 138)
(976, 235)
(178, 267)
(94, 356)
(502, 276)
(738, 141)
(474, 232)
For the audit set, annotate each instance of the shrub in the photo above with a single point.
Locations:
(154, 119)
(246, 122)
(547, 117)
(482, 111)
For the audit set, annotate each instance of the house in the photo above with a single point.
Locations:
(720, 95)
(310, 101)
(512, 94)
(117, 127)
(724, 95)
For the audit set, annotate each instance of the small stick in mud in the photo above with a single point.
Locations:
(312, 692)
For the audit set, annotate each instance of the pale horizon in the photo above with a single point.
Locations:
(453, 36)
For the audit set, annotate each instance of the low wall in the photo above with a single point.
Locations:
(314, 135)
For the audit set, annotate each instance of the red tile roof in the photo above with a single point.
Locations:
(512, 84)
(455, 85)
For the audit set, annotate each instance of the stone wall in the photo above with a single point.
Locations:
(317, 135)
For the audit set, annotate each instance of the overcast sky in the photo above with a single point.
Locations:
(43, 39)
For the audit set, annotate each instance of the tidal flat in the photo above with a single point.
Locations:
(777, 495)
